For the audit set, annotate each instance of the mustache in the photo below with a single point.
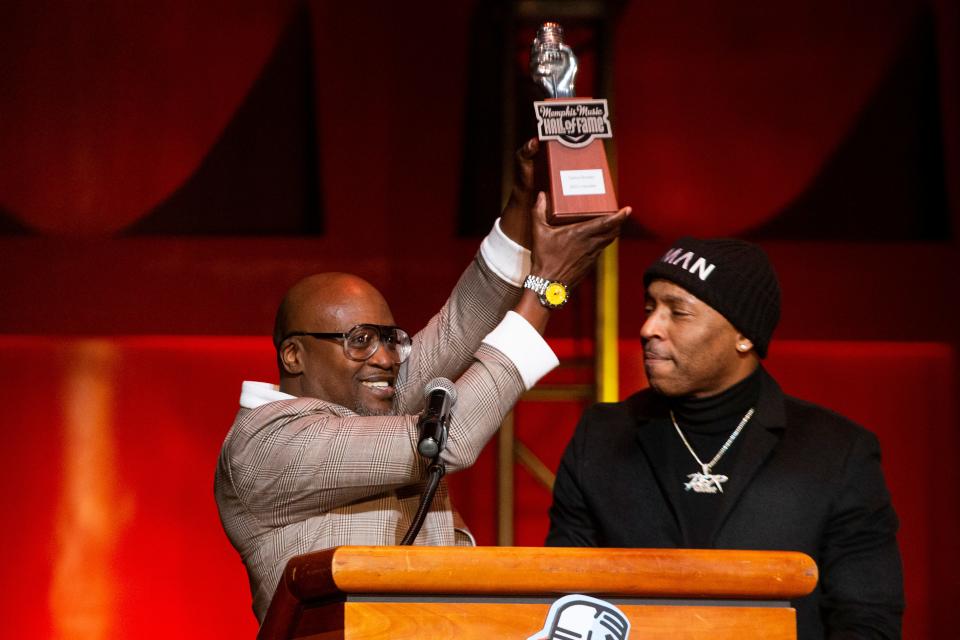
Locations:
(651, 351)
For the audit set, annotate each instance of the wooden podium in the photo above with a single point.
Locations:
(506, 592)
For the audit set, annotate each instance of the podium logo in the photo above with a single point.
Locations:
(577, 617)
(572, 123)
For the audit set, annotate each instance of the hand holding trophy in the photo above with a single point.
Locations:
(572, 130)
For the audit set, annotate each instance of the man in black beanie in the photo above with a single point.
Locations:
(715, 455)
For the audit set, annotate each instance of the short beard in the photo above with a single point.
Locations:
(362, 410)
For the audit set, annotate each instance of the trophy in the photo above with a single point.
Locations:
(572, 129)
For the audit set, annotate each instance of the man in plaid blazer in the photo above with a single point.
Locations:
(330, 456)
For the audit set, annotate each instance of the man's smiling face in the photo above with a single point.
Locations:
(337, 305)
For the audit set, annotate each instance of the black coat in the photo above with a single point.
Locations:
(804, 479)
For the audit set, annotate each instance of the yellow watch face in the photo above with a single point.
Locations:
(556, 294)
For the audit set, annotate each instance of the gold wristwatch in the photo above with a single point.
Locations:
(553, 293)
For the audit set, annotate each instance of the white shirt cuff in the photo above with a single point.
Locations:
(515, 338)
(509, 260)
(255, 394)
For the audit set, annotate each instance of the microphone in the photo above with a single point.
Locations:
(440, 396)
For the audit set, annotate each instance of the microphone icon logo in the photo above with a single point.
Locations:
(579, 617)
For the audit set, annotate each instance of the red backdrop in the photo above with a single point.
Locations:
(110, 466)
(725, 119)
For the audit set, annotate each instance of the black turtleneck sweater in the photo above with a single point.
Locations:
(706, 423)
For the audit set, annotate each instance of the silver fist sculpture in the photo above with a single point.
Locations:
(552, 63)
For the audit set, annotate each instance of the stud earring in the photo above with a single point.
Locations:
(742, 347)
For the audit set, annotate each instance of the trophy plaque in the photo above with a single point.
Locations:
(572, 130)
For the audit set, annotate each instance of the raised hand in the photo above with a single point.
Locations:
(515, 219)
(564, 253)
(567, 252)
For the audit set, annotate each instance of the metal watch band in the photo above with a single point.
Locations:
(536, 283)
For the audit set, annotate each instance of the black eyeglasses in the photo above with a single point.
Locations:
(363, 340)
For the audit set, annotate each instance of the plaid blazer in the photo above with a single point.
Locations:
(300, 475)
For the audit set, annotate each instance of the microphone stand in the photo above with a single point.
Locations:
(435, 471)
(440, 395)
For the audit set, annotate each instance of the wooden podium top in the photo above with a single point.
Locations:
(304, 604)
(544, 571)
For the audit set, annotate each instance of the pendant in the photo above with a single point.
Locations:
(704, 482)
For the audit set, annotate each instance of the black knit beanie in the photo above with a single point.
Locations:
(732, 276)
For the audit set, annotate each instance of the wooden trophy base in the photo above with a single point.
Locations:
(580, 184)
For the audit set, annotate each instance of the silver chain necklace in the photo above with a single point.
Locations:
(706, 482)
